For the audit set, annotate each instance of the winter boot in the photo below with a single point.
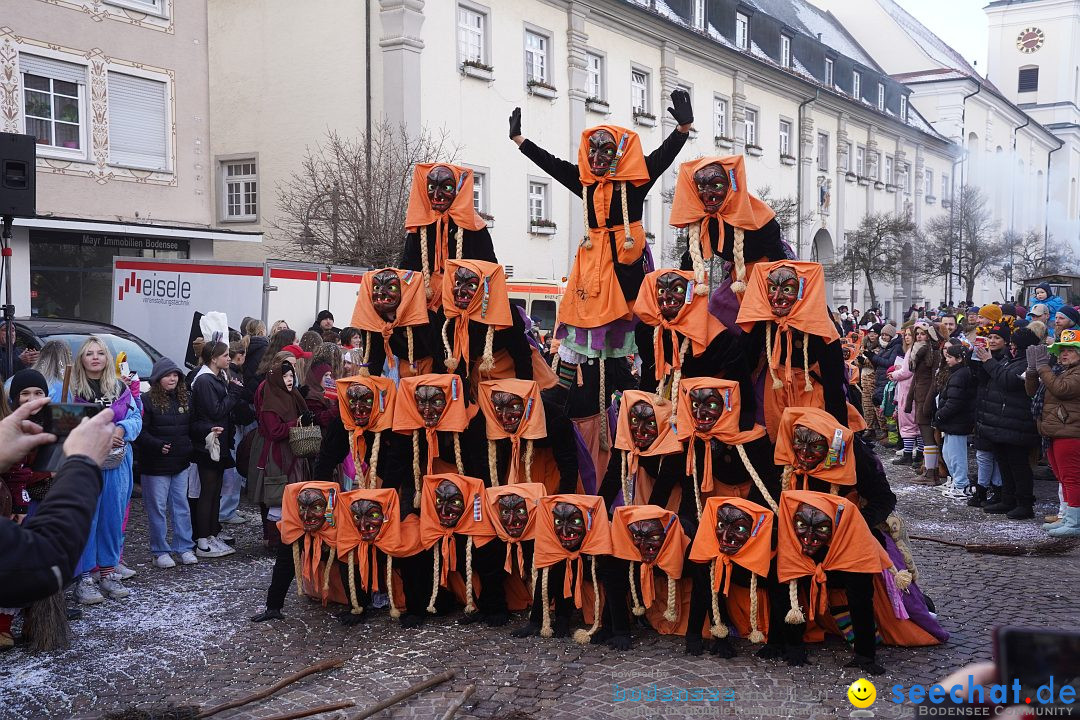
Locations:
(918, 459)
(979, 498)
(904, 459)
(1071, 528)
(1022, 511)
(1004, 504)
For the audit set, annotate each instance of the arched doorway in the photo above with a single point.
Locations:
(821, 251)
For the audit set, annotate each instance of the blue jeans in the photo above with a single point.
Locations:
(232, 483)
(165, 495)
(954, 452)
(989, 472)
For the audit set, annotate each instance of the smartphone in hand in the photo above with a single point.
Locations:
(59, 419)
(1044, 662)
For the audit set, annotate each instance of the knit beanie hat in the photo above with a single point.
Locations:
(956, 350)
(888, 329)
(1008, 309)
(1023, 339)
(1070, 312)
(991, 312)
(1001, 330)
(23, 379)
(877, 328)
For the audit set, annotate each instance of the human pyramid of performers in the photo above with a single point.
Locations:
(725, 495)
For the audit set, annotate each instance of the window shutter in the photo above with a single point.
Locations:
(56, 69)
(1028, 80)
(137, 133)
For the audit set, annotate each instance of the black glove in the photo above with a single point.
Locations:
(515, 123)
(307, 418)
(682, 110)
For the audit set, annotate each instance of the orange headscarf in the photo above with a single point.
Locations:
(672, 552)
(382, 411)
(666, 443)
(396, 538)
(533, 425)
(490, 306)
(841, 469)
(693, 322)
(292, 529)
(755, 555)
(455, 417)
(411, 312)
(629, 167)
(475, 521)
(548, 551)
(531, 493)
(853, 547)
(726, 429)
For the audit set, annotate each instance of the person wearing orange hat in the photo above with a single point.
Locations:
(457, 535)
(483, 337)
(517, 417)
(441, 223)
(734, 538)
(789, 327)
(391, 304)
(362, 431)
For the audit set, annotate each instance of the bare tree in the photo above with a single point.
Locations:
(964, 244)
(1028, 256)
(346, 203)
(874, 249)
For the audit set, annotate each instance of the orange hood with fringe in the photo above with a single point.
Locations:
(810, 314)
(853, 547)
(396, 538)
(838, 470)
(411, 312)
(531, 493)
(666, 442)
(755, 555)
(533, 425)
(739, 209)
(382, 410)
(475, 521)
(672, 552)
(489, 306)
(726, 429)
(455, 417)
(694, 320)
(548, 551)
(292, 529)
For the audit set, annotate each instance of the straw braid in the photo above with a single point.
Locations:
(374, 464)
(298, 568)
(364, 371)
(528, 460)
(424, 262)
(352, 451)
(624, 472)
(394, 612)
(628, 240)
(694, 246)
(451, 361)
(470, 605)
(356, 609)
(493, 465)
(457, 454)
(327, 569)
(756, 636)
(776, 383)
(532, 576)
(488, 363)
(694, 479)
(605, 441)
(785, 478)
(586, 242)
(676, 376)
(435, 576)
(409, 340)
(416, 466)
(719, 628)
(807, 385)
(459, 238)
(795, 614)
(639, 609)
(545, 629)
(671, 614)
(581, 636)
(752, 472)
(555, 362)
(739, 285)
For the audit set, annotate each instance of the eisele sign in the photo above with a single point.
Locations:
(170, 289)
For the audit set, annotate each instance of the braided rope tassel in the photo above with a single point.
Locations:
(694, 481)
(409, 340)
(758, 482)
(532, 576)
(676, 377)
(457, 454)
(671, 614)
(373, 465)
(739, 285)
(451, 361)
(459, 240)
(756, 636)
(394, 611)
(586, 242)
(719, 628)
(785, 478)
(327, 569)
(902, 578)
(488, 363)
(424, 262)
(697, 259)
(776, 383)
(639, 609)
(435, 576)
(807, 385)
(628, 240)
(298, 568)
(795, 615)
(528, 460)
(555, 362)
(350, 561)
(545, 629)
(493, 465)
(364, 371)
(470, 605)
(624, 472)
(605, 440)
(582, 636)
(416, 467)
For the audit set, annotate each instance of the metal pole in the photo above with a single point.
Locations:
(9, 306)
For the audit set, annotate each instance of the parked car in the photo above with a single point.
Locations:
(35, 332)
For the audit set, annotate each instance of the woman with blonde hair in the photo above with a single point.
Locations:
(95, 380)
(278, 325)
(53, 360)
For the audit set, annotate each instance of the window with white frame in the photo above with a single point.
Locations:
(946, 189)
(54, 102)
(860, 161)
(538, 201)
(750, 134)
(785, 51)
(928, 185)
(720, 115)
(138, 122)
(881, 97)
(829, 72)
(594, 66)
(856, 85)
(639, 90)
(888, 169)
(742, 31)
(646, 221)
(907, 177)
(240, 190)
(875, 165)
(699, 14)
(822, 151)
(785, 137)
(479, 190)
(536, 57)
(472, 45)
(903, 107)
(848, 157)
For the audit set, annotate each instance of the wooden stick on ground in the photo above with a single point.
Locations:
(406, 693)
(1052, 546)
(452, 710)
(318, 667)
(312, 711)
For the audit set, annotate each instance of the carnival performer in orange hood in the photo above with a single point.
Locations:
(728, 454)
(811, 444)
(370, 521)
(536, 431)
(713, 202)
(649, 465)
(734, 539)
(792, 341)
(442, 223)
(569, 530)
(391, 309)
(612, 177)
(514, 510)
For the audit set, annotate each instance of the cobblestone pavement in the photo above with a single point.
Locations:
(183, 637)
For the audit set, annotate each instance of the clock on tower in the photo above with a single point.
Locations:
(1030, 40)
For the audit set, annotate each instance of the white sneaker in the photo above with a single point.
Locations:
(112, 587)
(164, 560)
(124, 572)
(954, 494)
(188, 558)
(225, 538)
(206, 549)
(216, 544)
(86, 592)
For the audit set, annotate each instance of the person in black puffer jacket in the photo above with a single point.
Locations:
(884, 358)
(257, 344)
(1004, 416)
(955, 419)
(213, 398)
(164, 455)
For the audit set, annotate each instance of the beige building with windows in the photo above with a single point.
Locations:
(116, 94)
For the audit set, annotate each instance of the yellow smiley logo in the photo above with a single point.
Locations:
(862, 693)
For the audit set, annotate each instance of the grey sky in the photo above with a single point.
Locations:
(960, 23)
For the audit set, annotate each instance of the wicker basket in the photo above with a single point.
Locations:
(305, 440)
